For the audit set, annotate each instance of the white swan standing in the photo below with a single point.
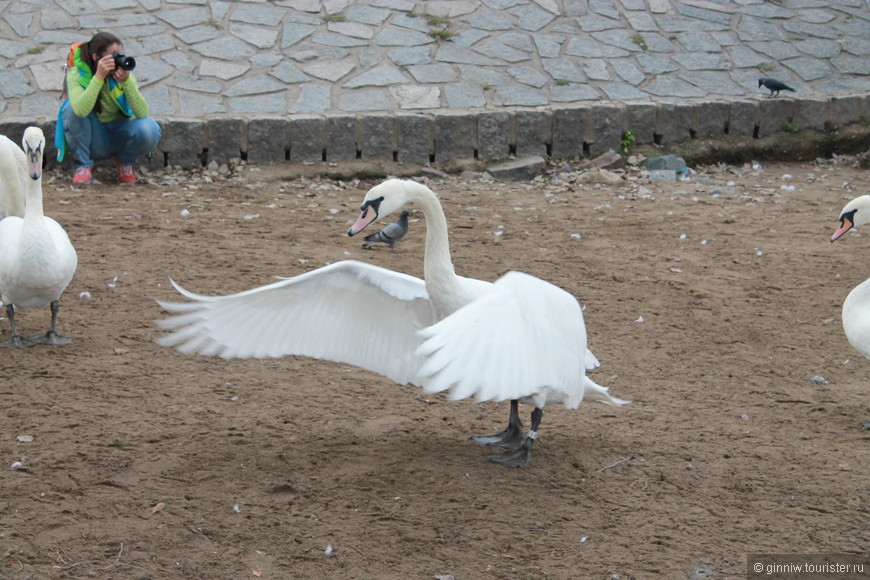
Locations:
(13, 178)
(518, 339)
(37, 260)
(856, 307)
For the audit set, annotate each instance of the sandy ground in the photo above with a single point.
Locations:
(711, 305)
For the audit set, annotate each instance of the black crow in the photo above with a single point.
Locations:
(774, 85)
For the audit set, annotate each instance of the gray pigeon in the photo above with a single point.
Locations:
(390, 234)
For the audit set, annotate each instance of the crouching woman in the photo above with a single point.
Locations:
(105, 116)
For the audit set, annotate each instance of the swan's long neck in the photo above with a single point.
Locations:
(33, 206)
(447, 291)
(437, 264)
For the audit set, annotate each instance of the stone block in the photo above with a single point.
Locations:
(13, 128)
(570, 126)
(225, 139)
(522, 169)
(665, 162)
(377, 136)
(607, 128)
(534, 132)
(494, 135)
(711, 117)
(641, 118)
(341, 137)
(845, 110)
(50, 156)
(307, 138)
(773, 116)
(414, 138)
(157, 157)
(810, 114)
(675, 122)
(267, 140)
(183, 142)
(609, 160)
(455, 136)
(742, 118)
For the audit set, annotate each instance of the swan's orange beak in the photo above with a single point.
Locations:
(368, 215)
(845, 225)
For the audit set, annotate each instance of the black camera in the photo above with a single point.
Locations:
(124, 62)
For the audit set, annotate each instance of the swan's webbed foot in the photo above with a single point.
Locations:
(523, 456)
(50, 338)
(511, 438)
(518, 458)
(15, 341)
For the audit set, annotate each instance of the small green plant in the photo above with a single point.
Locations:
(334, 18)
(562, 82)
(789, 127)
(442, 35)
(766, 66)
(639, 40)
(434, 21)
(36, 49)
(625, 144)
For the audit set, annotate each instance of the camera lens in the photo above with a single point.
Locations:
(124, 62)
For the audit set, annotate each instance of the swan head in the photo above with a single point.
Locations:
(381, 200)
(855, 213)
(33, 144)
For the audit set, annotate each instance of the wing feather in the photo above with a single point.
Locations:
(348, 312)
(522, 337)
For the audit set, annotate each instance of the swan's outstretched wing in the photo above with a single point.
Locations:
(522, 338)
(348, 312)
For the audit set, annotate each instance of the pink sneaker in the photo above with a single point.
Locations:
(83, 175)
(125, 173)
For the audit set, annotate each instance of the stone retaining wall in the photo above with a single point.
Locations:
(438, 137)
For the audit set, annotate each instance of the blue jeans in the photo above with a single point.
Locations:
(90, 140)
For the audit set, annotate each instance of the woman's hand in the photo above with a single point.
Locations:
(105, 67)
(121, 74)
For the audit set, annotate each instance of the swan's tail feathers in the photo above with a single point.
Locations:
(591, 362)
(595, 392)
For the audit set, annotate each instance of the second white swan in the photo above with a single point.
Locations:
(37, 260)
(856, 307)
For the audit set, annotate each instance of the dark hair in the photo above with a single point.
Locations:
(99, 43)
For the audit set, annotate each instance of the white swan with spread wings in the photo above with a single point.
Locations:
(519, 339)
